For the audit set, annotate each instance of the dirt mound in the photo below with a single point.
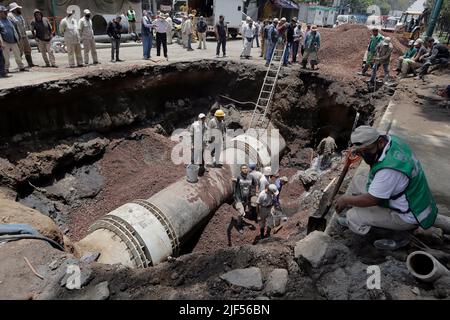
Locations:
(342, 50)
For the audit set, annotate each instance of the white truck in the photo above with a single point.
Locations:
(212, 9)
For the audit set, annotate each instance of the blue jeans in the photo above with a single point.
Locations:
(147, 45)
(269, 50)
(287, 53)
(189, 46)
(2, 63)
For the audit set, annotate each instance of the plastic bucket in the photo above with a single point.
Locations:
(192, 173)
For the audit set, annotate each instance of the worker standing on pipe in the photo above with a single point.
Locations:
(396, 196)
(217, 135)
(265, 209)
(198, 132)
(244, 187)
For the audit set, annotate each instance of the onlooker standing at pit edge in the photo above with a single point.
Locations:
(43, 33)
(221, 36)
(114, 30)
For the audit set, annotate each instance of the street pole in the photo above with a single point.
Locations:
(434, 17)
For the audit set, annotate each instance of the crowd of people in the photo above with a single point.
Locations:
(416, 60)
(301, 45)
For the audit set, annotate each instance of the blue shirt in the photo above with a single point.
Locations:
(312, 39)
(7, 31)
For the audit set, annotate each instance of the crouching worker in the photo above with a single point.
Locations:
(396, 195)
(265, 209)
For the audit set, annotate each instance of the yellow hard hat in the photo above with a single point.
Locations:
(219, 113)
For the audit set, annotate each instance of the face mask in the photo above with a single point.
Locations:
(371, 158)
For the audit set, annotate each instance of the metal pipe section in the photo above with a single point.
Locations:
(425, 267)
(143, 233)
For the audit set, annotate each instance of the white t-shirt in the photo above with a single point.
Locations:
(263, 182)
(387, 183)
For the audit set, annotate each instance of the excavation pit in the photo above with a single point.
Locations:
(84, 147)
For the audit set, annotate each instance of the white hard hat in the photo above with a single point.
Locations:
(267, 171)
(69, 10)
(86, 11)
(201, 116)
(283, 19)
(273, 188)
(249, 19)
(411, 43)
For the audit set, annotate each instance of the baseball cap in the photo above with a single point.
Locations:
(364, 136)
(3, 9)
(69, 10)
(201, 116)
(86, 11)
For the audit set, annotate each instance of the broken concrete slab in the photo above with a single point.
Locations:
(250, 278)
(318, 249)
(276, 283)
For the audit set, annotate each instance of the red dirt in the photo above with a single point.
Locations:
(342, 50)
(214, 236)
(133, 169)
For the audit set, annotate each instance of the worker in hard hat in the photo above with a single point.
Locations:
(244, 188)
(265, 209)
(396, 195)
(198, 131)
(216, 135)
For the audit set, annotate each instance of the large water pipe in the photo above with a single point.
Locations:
(425, 267)
(143, 233)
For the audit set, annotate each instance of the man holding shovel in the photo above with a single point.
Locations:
(396, 196)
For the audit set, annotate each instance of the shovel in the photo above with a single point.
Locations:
(319, 222)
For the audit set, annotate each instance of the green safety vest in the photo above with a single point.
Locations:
(420, 200)
(131, 15)
(374, 41)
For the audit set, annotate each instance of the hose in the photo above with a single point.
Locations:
(16, 237)
(240, 102)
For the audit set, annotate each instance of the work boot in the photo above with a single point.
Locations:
(268, 232)
(261, 233)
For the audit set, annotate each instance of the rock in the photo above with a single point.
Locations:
(416, 291)
(432, 235)
(293, 267)
(262, 298)
(8, 194)
(99, 292)
(403, 292)
(442, 287)
(174, 276)
(319, 249)
(90, 257)
(53, 265)
(249, 278)
(14, 212)
(334, 285)
(276, 284)
(85, 277)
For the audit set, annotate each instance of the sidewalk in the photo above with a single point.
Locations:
(130, 52)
